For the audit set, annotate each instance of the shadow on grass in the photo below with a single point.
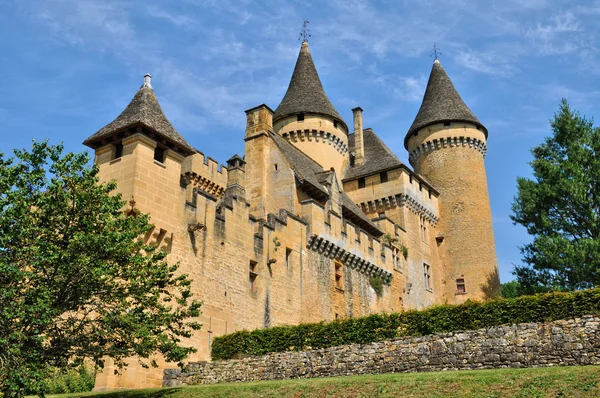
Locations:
(164, 392)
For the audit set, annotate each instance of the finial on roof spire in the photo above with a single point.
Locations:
(435, 53)
(147, 80)
(304, 33)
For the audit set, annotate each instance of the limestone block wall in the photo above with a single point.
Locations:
(560, 343)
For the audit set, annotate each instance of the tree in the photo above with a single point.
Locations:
(560, 207)
(77, 282)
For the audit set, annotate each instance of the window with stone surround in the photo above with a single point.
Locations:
(339, 275)
(460, 286)
(252, 276)
(361, 183)
(383, 176)
(427, 276)
(423, 229)
(159, 154)
(396, 258)
(118, 150)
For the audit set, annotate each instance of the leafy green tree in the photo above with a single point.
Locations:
(76, 281)
(560, 207)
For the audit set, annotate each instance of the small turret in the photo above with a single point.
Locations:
(447, 145)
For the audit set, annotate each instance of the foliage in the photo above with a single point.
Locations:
(443, 318)
(377, 284)
(76, 280)
(404, 251)
(514, 289)
(560, 207)
(69, 380)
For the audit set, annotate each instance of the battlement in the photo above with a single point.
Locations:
(205, 173)
(322, 231)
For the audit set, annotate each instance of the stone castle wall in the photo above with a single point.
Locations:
(559, 343)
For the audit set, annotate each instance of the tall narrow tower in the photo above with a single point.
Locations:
(447, 145)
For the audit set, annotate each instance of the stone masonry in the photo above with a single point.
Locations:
(559, 343)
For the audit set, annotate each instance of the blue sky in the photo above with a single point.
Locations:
(68, 67)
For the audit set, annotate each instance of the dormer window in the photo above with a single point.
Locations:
(361, 183)
(118, 150)
(159, 154)
(301, 117)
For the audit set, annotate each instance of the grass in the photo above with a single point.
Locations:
(576, 381)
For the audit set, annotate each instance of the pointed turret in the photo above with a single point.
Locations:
(441, 104)
(305, 93)
(145, 110)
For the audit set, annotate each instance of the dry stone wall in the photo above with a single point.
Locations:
(560, 343)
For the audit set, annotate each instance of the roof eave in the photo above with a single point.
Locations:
(415, 130)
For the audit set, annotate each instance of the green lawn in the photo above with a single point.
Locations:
(577, 381)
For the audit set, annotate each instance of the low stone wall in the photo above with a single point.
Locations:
(560, 343)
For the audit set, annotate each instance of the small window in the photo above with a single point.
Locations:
(361, 183)
(396, 258)
(159, 154)
(420, 186)
(383, 176)
(301, 117)
(423, 229)
(339, 275)
(335, 124)
(427, 276)
(429, 193)
(410, 178)
(460, 286)
(118, 150)
(276, 167)
(252, 276)
(288, 255)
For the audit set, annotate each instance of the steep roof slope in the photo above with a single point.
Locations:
(143, 109)
(305, 92)
(441, 103)
(378, 157)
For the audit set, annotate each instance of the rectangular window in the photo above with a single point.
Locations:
(118, 150)
(361, 182)
(288, 255)
(410, 178)
(301, 117)
(383, 176)
(335, 124)
(396, 258)
(339, 275)
(423, 229)
(252, 276)
(159, 154)
(427, 276)
(460, 286)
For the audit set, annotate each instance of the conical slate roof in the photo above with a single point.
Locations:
(441, 103)
(143, 109)
(305, 93)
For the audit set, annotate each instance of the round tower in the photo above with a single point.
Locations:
(307, 118)
(447, 145)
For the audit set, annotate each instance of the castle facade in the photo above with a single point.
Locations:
(314, 222)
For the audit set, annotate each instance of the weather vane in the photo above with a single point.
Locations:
(304, 34)
(436, 52)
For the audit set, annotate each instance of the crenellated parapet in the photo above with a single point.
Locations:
(202, 172)
(404, 199)
(447, 142)
(317, 136)
(324, 246)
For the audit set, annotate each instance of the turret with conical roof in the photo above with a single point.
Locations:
(447, 145)
(307, 118)
(145, 111)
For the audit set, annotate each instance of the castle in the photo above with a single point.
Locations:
(314, 222)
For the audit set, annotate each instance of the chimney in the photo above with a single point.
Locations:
(147, 80)
(359, 144)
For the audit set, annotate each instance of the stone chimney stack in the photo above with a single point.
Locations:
(259, 120)
(359, 145)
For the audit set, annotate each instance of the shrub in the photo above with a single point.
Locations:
(70, 380)
(442, 318)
